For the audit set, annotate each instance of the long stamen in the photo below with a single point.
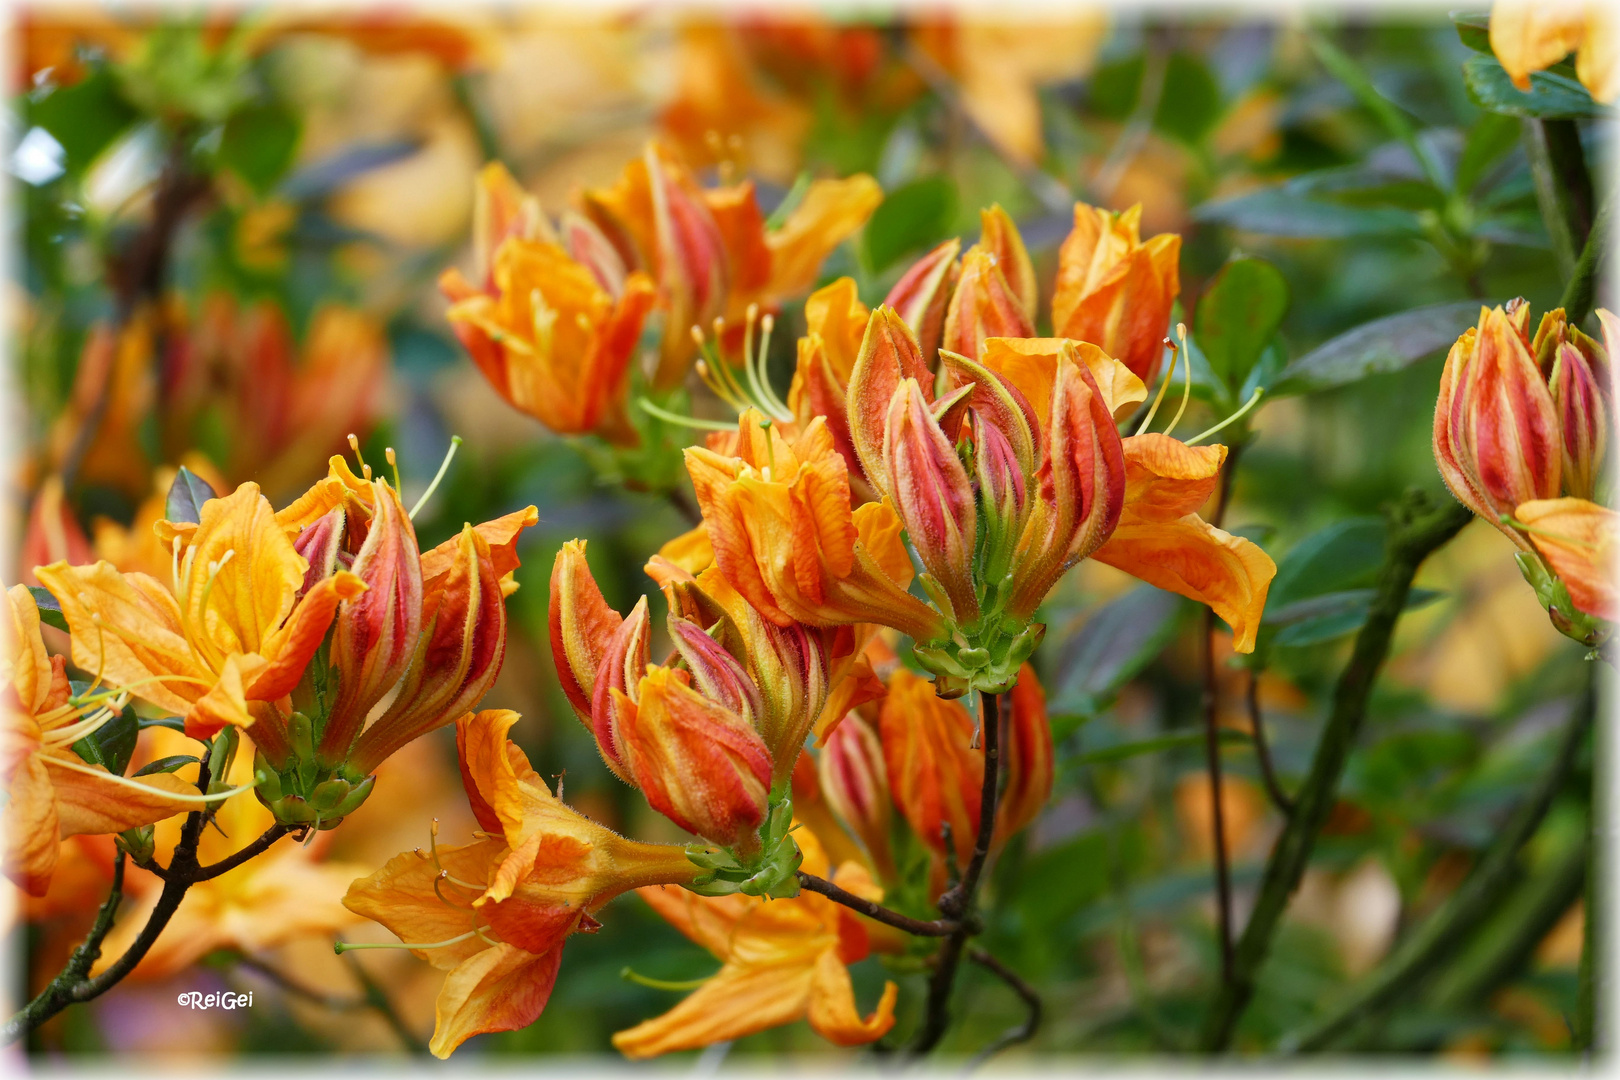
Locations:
(709, 369)
(770, 450)
(217, 796)
(393, 463)
(1509, 519)
(354, 444)
(630, 975)
(775, 406)
(74, 732)
(341, 947)
(1253, 398)
(439, 892)
(1186, 389)
(444, 466)
(101, 650)
(682, 421)
(1169, 377)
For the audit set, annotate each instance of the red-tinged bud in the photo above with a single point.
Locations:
(1496, 436)
(375, 635)
(984, 306)
(1026, 743)
(889, 353)
(934, 774)
(701, 765)
(691, 265)
(1000, 237)
(1115, 291)
(1585, 418)
(624, 660)
(923, 294)
(321, 545)
(855, 781)
(581, 626)
(502, 209)
(591, 248)
(934, 498)
(1003, 497)
(717, 674)
(457, 657)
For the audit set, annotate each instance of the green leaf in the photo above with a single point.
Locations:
(913, 217)
(1125, 751)
(165, 764)
(1550, 95)
(1473, 29)
(50, 609)
(1115, 87)
(113, 743)
(186, 496)
(1120, 639)
(1190, 103)
(173, 723)
(1383, 345)
(1491, 138)
(1238, 315)
(1333, 615)
(259, 143)
(1344, 555)
(84, 118)
(1279, 211)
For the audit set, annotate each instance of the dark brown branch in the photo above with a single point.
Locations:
(231, 862)
(1212, 743)
(1032, 1001)
(1261, 749)
(887, 916)
(958, 900)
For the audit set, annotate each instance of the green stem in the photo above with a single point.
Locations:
(1563, 185)
(1464, 909)
(1580, 292)
(1347, 71)
(1417, 528)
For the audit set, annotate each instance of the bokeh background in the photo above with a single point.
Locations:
(331, 163)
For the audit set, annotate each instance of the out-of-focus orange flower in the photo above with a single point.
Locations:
(784, 534)
(230, 629)
(1527, 36)
(855, 781)
(1243, 807)
(553, 329)
(711, 250)
(53, 534)
(1162, 540)
(934, 773)
(459, 44)
(113, 391)
(1115, 291)
(51, 792)
(493, 915)
(1000, 64)
(1027, 750)
(781, 960)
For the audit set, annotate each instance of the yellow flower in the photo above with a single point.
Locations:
(782, 960)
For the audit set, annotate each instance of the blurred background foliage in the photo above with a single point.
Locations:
(305, 179)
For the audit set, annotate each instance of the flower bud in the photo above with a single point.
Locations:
(1496, 436)
(889, 353)
(923, 294)
(933, 773)
(1585, 419)
(984, 306)
(1000, 237)
(699, 763)
(1115, 291)
(933, 497)
(624, 659)
(581, 625)
(855, 781)
(1026, 747)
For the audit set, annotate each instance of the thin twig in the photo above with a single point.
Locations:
(958, 900)
(1032, 1001)
(876, 911)
(231, 862)
(1417, 528)
(1212, 742)
(1262, 750)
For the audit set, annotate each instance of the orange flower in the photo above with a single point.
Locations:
(711, 251)
(933, 771)
(995, 295)
(855, 782)
(1162, 540)
(835, 321)
(1577, 537)
(785, 536)
(554, 330)
(1115, 291)
(494, 914)
(1026, 742)
(52, 793)
(781, 960)
(232, 628)
(1527, 37)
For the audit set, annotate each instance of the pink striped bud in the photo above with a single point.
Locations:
(923, 293)
(933, 497)
(855, 782)
(1585, 418)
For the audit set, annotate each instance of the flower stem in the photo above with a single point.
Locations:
(1032, 1002)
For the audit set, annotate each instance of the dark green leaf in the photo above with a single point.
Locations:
(1280, 212)
(1402, 194)
(50, 610)
(1344, 555)
(1191, 100)
(113, 743)
(1071, 875)
(1115, 87)
(187, 495)
(1473, 29)
(1323, 618)
(84, 118)
(259, 143)
(1238, 315)
(1386, 344)
(1550, 94)
(1489, 140)
(173, 723)
(912, 217)
(1120, 639)
(1125, 751)
(165, 764)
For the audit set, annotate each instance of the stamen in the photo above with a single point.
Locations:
(1164, 385)
(1509, 519)
(682, 421)
(770, 450)
(101, 649)
(774, 405)
(354, 444)
(1253, 398)
(444, 466)
(393, 463)
(631, 976)
(1186, 389)
(218, 796)
(341, 947)
(439, 892)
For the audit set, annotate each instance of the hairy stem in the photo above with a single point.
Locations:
(1418, 527)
